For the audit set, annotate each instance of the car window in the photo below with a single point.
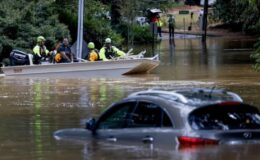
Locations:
(149, 115)
(225, 118)
(116, 117)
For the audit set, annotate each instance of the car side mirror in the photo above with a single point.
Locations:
(90, 124)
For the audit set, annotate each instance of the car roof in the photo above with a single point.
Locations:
(192, 97)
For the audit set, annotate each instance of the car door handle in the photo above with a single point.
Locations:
(112, 139)
(148, 139)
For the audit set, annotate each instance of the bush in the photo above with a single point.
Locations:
(142, 33)
(22, 24)
(136, 33)
(256, 55)
(244, 13)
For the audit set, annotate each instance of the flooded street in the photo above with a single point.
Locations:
(33, 108)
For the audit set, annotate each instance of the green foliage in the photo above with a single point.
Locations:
(142, 33)
(256, 55)
(96, 20)
(244, 13)
(97, 23)
(21, 24)
(136, 33)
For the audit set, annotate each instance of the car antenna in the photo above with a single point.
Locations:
(211, 91)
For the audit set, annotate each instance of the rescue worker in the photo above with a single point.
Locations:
(40, 51)
(171, 26)
(159, 25)
(108, 51)
(93, 53)
(64, 54)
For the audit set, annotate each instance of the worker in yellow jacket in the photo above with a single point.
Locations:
(159, 25)
(40, 51)
(93, 53)
(108, 51)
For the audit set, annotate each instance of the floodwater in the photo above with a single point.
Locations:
(33, 108)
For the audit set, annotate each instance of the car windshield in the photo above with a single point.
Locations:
(225, 118)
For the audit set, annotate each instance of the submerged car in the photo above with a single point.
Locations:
(185, 117)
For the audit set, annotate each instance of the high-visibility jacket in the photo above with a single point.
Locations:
(159, 23)
(40, 51)
(106, 53)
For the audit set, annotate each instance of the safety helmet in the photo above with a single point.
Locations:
(91, 45)
(40, 39)
(108, 40)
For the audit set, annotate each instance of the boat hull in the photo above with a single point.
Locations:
(101, 68)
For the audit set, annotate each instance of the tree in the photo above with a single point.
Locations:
(256, 56)
(97, 20)
(243, 15)
(21, 24)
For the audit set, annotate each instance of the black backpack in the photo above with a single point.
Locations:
(19, 58)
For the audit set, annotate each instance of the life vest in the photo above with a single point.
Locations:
(109, 52)
(159, 23)
(93, 55)
(57, 57)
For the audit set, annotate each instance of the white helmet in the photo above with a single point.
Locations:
(108, 40)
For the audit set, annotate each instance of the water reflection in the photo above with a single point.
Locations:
(97, 150)
(37, 119)
(213, 60)
(171, 50)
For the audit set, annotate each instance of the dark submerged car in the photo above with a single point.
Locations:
(186, 117)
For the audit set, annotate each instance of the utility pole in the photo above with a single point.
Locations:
(80, 29)
(205, 20)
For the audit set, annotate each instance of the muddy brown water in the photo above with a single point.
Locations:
(32, 108)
